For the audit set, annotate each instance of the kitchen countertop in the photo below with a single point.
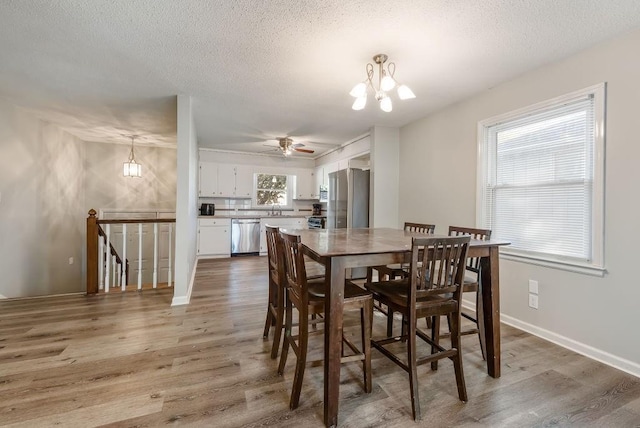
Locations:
(256, 216)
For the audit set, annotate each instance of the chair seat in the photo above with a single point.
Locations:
(397, 293)
(351, 291)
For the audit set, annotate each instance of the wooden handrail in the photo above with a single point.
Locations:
(141, 220)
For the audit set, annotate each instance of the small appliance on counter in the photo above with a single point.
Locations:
(208, 209)
(317, 209)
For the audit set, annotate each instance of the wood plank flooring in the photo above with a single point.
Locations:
(130, 360)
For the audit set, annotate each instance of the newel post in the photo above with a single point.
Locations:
(92, 252)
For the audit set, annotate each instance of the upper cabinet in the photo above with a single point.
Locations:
(208, 179)
(305, 185)
(225, 181)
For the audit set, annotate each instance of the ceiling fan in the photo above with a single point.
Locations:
(287, 147)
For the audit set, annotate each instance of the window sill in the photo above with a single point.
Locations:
(582, 268)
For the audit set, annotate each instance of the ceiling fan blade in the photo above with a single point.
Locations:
(297, 145)
(297, 149)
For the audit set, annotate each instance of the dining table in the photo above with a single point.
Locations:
(341, 249)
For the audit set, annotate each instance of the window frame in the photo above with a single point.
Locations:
(288, 191)
(595, 266)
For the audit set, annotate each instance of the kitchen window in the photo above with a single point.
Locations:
(272, 189)
(541, 181)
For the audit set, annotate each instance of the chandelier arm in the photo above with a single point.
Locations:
(391, 68)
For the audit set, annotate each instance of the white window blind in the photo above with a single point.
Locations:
(537, 190)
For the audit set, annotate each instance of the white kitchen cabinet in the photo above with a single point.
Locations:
(208, 179)
(225, 181)
(214, 237)
(305, 185)
(281, 222)
(244, 181)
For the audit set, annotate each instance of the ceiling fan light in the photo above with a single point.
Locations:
(360, 102)
(386, 105)
(359, 90)
(404, 93)
(387, 83)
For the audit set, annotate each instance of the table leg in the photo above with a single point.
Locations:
(491, 310)
(335, 272)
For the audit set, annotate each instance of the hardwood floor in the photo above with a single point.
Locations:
(131, 360)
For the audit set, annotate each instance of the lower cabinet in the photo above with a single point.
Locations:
(214, 237)
(281, 222)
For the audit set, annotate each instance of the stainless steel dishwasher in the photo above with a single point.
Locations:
(245, 236)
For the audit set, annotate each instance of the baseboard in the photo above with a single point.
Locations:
(581, 348)
(184, 300)
(575, 346)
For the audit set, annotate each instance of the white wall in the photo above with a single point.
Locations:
(385, 179)
(106, 187)
(597, 316)
(350, 149)
(187, 195)
(42, 215)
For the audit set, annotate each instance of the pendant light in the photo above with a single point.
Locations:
(132, 168)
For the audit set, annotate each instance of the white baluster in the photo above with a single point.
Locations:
(108, 251)
(113, 271)
(155, 255)
(101, 264)
(123, 280)
(139, 256)
(118, 269)
(169, 277)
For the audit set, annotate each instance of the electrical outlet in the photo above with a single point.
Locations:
(70, 260)
(533, 301)
(533, 286)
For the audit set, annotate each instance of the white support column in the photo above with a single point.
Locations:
(155, 255)
(139, 256)
(123, 281)
(101, 263)
(169, 276)
(107, 259)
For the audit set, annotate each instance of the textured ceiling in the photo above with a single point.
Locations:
(263, 69)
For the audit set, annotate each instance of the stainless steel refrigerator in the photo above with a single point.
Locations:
(348, 202)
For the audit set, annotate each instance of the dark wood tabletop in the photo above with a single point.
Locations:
(339, 249)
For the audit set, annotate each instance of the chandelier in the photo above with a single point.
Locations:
(386, 82)
(132, 168)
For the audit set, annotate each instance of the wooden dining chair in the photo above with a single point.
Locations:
(276, 301)
(432, 289)
(307, 297)
(472, 285)
(394, 271)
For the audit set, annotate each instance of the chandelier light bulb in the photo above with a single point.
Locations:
(360, 102)
(386, 105)
(387, 83)
(404, 93)
(359, 90)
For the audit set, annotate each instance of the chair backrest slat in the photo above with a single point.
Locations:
(419, 227)
(473, 263)
(437, 265)
(294, 269)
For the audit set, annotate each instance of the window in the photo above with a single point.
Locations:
(541, 181)
(271, 189)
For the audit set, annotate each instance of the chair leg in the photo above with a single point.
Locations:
(277, 334)
(366, 321)
(435, 337)
(480, 321)
(268, 322)
(457, 359)
(301, 362)
(389, 322)
(287, 336)
(413, 374)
